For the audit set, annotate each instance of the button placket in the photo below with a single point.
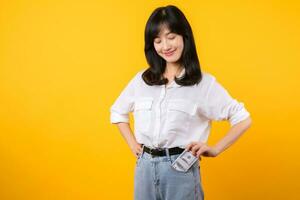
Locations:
(158, 111)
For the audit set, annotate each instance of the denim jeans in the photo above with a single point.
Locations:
(155, 179)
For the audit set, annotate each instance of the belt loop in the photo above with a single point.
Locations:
(168, 154)
(142, 150)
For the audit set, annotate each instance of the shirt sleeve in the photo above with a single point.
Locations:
(220, 105)
(119, 111)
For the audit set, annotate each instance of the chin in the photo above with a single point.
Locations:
(171, 60)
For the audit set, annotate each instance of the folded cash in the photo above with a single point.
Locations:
(184, 161)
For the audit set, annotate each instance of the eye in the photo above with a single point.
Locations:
(157, 41)
(172, 36)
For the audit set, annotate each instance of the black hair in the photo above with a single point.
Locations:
(176, 22)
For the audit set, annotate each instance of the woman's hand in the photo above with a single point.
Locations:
(200, 148)
(136, 149)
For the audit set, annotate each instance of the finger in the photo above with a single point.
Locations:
(140, 148)
(139, 151)
(195, 149)
(198, 154)
(197, 146)
(201, 150)
(190, 145)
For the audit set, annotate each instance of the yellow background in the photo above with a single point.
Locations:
(63, 63)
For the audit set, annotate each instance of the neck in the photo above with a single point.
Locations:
(172, 69)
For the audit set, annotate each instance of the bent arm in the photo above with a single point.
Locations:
(126, 133)
(233, 134)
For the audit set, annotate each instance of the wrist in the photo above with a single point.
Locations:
(217, 150)
(132, 142)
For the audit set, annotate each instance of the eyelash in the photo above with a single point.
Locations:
(169, 38)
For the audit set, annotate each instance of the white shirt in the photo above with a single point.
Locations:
(175, 115)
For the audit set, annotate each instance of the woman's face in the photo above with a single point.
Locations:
(169, 45)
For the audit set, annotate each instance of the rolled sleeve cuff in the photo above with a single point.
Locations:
(239, 116)
(116, 117)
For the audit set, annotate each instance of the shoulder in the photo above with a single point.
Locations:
(207, 80)
(208, 77)
(136, 77)
(139, 73)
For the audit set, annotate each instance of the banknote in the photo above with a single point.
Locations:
(184, 161)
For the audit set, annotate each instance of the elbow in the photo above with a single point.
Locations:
(120, 122)
(247, 122)
(117, 117)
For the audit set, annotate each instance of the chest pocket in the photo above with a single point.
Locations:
(179, 115)
(142, 114)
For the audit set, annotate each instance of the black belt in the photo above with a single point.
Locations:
(162, 152)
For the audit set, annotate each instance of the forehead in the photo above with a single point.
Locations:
(164, 31)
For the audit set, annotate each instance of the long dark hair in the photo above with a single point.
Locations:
(176, 22)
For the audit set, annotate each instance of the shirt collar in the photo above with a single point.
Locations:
(173, 83)
(181, 73)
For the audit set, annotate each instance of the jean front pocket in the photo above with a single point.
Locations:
(138, 160)
(142, 114)
(179, 165)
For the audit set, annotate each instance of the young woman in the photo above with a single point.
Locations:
(173, 104)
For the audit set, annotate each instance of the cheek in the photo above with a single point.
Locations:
(179, 43)
(157, 48)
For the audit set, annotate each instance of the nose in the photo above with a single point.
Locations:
(166, 46)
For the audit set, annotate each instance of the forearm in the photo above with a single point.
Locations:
(126, 132)
(233, 134)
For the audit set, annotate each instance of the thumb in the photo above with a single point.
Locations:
(139, 149)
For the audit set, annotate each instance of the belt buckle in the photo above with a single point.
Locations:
(151, 151)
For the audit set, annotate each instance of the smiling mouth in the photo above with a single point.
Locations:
(169, 53)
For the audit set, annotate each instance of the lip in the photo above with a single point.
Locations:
(169, 53)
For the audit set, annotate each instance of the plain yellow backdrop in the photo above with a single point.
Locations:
(63, 63)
